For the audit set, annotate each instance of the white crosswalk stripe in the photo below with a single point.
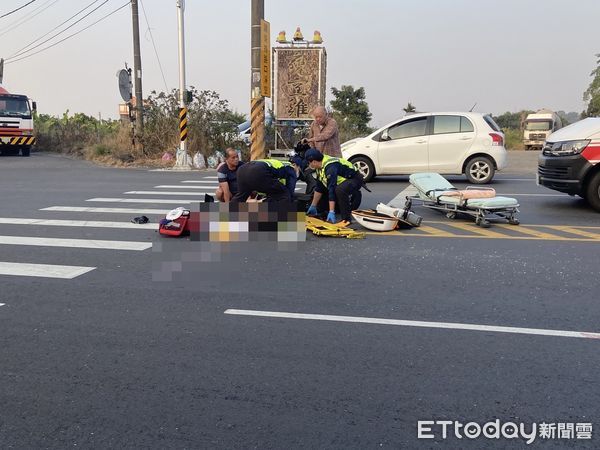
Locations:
(42, 270)
(105, 210)
(171, 201)
(74, 243)
(166, 193)
(176, 186)
(76, 223)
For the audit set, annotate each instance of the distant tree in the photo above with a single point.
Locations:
(409, 108)
(512, 121)
(592, 94)
(351, 111)
(568, 118)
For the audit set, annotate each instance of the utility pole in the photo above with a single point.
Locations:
(137, 71)
(257, 102)
(182, 160)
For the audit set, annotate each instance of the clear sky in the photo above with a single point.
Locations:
(504, 55)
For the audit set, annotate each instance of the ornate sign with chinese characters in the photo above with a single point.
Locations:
(299, 82)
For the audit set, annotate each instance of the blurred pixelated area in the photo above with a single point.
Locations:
(228, 235)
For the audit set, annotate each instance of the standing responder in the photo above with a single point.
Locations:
(271, 177)
(339, 180)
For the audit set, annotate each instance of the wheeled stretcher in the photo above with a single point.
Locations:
(435, 192)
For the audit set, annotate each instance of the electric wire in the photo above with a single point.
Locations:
(36, 12)
(29, 46)
(17, 9)
(155, 50)
(71, 35)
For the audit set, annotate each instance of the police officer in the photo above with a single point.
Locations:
(339, 180)
(271, 177)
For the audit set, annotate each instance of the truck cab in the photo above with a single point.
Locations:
(538, 126)
(16, 124)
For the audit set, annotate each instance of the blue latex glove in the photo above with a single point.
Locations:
(312, 211)
(331, 217)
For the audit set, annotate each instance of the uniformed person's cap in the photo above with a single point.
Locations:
(313, 155)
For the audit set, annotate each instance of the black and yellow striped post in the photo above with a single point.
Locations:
(257, 128)
(183, 125)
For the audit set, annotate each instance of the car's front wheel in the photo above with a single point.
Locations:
(365, 166)
(592, 192)
(479, 170)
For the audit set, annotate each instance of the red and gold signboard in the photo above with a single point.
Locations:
(299, 85)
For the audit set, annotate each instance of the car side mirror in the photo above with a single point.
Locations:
(385, 136)
(34, 106)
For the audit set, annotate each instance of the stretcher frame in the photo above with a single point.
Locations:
(482, 215)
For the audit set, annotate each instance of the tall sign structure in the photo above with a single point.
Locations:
(299, 85)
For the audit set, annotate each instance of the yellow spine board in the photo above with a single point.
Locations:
(321, 228)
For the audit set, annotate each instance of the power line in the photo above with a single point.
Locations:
(22, 50)
(155, 50)
(17, 9)
(71, 35)
(27, 18)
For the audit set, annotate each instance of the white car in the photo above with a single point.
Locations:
(449, 143)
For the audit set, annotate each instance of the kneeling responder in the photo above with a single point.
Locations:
(271, 177)
(339, 180)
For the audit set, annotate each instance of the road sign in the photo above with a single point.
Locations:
(265, 58)
(125, 84)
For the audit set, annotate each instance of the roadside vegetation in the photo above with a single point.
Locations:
(213, 125)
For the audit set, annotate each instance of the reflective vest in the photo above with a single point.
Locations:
(330, 160)
(275, 164)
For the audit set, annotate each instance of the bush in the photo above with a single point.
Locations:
(513, 139)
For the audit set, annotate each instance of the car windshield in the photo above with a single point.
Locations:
(539, 125)
(14, 106)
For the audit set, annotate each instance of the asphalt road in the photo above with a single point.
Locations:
(109, 358)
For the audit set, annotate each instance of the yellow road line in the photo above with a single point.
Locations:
(472, 228)
(539, 234)
(464, 236)
(572, 230)
(431, 231)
